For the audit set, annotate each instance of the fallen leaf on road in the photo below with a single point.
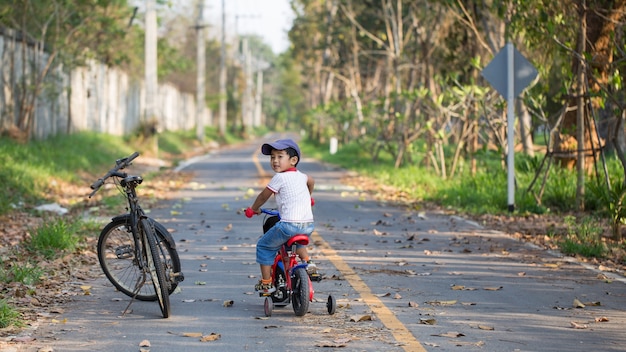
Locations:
(331, 344)
(578, 304)
(485, 327)
(86, 290)
(228, 303)
(493, 288)
(601, 319)
(212, 337)
(144, 343)
(192, 334)
(576, 325)
(397, 296)
(428, 321)
(442, 303)
(413, 304)
(360, 318)
(593, 304)
(453, 334)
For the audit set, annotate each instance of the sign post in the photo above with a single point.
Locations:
(510, 73)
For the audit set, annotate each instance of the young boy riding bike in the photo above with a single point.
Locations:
(292, 190)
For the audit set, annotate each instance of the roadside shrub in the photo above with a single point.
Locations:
(9, 316)
(28, 274)
(53, 237)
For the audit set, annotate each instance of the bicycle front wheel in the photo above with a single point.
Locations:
(155, 266)
(116, 254)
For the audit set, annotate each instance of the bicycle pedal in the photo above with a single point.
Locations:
(315, 277)
(178, 277)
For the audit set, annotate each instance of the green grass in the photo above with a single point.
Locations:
(9, 316)
(484, 192)
(53, 238)
(27, 274)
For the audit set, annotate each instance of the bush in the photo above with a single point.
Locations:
(52, 237)
(9, 315)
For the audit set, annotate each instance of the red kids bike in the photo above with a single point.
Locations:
(293, 283)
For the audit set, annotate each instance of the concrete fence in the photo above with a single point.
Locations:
(90, 98)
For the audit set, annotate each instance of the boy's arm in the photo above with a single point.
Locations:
(265, 194)
(310, 183)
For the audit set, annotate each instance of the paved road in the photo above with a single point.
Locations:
(404, 281)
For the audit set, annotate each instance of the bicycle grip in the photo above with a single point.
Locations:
(249, 212)
(97, 184)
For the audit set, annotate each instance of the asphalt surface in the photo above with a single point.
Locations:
(403, 280)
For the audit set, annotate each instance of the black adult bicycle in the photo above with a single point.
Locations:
(137, 254)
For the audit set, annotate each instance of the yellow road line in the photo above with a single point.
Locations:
(399, 331)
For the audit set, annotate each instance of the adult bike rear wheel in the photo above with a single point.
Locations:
(155, 266)
(301, 289)
(116, 254)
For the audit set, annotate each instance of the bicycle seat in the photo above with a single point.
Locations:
(299, 239)
(131, 179)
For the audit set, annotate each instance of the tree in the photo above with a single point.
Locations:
(56, 34)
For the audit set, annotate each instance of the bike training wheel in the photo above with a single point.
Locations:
(268, 306)
(116, 254)
(331, 305)
(155, 266)
(300, 295)
(280, 296)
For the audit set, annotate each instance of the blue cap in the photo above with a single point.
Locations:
(280, 144)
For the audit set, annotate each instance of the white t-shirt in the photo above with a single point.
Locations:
(292, 196)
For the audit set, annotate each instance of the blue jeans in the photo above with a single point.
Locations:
(270, 242)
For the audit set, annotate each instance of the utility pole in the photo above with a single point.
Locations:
(151, 61)
(223, 95)
(200, 82)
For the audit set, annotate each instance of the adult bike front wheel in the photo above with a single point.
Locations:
(116, 254)
(155, 266)
(300, 294)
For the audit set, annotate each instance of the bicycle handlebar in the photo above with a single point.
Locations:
(119, 165)
(269, 211)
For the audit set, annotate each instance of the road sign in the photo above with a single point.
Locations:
(496, 72)
(510, 73)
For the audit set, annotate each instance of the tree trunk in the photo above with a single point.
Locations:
(600, 23)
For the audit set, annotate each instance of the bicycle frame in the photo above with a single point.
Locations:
(130, 184)
(287, 260)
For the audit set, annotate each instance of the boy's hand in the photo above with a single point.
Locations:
(249, 212)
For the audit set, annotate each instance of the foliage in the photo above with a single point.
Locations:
(584, 238)
(54, 238)
(26, 273)
(30, 171)
(9, 316)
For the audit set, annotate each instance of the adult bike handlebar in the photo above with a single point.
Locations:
(119, 165)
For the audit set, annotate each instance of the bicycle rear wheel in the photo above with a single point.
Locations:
(301, 289)
(155, 266)
(116, 254)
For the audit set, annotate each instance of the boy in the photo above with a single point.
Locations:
(292, 189)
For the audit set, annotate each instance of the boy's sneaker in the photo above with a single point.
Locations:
(311, 268)
(264, 288)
